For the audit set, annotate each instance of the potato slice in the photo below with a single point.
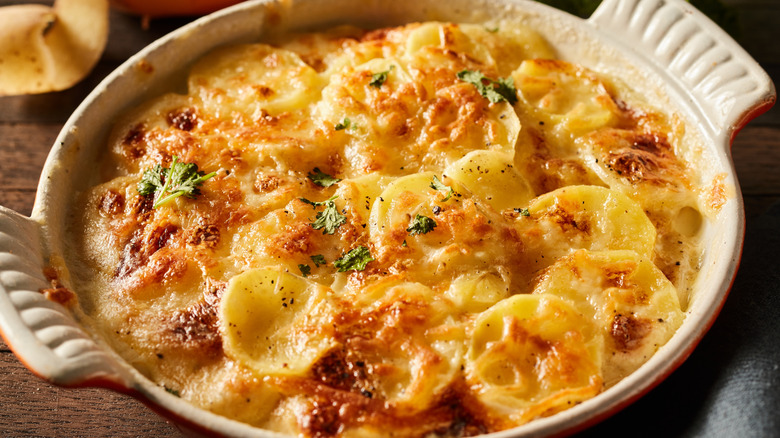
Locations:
(253, 79)
(515, 44)
(492, 177)
(431, 43)
(400, 201)
(45, 49)
(414, 358)
(474, 292)
(532, 356)
(587, 217)
(559, 103)
(269, 321)
(350, 95)
(571, 99)
(627, 297)
(468, 236)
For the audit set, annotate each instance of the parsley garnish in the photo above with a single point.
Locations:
(330, 218)
(344, 124)
(377, 79)
(421, 225)
(436, 184)
(305, 270)
(321, 178)
(522, 211)
(172, 391)
(355, 260)
(152, 180)
(495, 91)
(167, 184)
(318, 260)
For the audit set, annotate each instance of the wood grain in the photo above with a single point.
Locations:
(756, 154)
(42, 410)
(30, 407)
(25, 147)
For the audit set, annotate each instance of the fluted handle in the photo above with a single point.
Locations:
(42, 333)
(722, 80)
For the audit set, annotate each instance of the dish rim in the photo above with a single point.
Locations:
(610, 401)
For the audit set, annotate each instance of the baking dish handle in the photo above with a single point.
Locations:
(42, 333)
(719, 77)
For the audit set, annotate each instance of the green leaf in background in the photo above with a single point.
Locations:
(580, 8)
(723, 15)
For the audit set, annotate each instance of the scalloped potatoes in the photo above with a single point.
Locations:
(388, 248)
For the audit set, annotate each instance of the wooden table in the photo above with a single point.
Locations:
(29, 125)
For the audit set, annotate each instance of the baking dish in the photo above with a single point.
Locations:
(675, 53)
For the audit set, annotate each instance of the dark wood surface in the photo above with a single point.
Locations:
(28, 126)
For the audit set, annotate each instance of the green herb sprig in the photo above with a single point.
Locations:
(355, 260)
(329, 219)
(501, 90)
(421, 225)
(436, 184)
(344, 124)
(321, 178)
(318, 260)
(377, 79)
(167, 184)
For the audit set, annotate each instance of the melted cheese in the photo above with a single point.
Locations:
(522, 258)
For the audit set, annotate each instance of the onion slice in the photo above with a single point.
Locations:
(45, 49)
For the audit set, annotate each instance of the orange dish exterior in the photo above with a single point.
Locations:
(430, 229)
(171, 8)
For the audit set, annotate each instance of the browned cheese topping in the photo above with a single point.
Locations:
(435, 229)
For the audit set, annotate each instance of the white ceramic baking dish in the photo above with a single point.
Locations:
(666, 48)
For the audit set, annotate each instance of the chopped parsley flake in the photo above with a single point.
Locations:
(167, 184)
(495, 91)
(344, 124)
(421, 225)
(317, 203)
(318, 260)
(436, 184)
(321, 178)
(522, 211)
(355, 260)
(377, 79)
(305, 270)
(329, 219)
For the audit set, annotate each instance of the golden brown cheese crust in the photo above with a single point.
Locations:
(557, 258)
